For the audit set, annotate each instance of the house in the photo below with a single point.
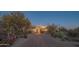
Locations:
(39, 29)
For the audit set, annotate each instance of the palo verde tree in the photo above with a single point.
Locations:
(16, 22)
(52, 28)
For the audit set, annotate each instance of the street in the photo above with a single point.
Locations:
(43, 40)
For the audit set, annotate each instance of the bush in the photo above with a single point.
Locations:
(73, 33)
(59, 34)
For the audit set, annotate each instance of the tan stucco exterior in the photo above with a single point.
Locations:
(39, 29)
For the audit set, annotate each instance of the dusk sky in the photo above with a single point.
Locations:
(63, 18)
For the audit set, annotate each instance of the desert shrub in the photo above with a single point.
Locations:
(59, 34)
(73, 33)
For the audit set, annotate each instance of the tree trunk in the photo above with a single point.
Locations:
(8, 37)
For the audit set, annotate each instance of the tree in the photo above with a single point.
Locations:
(16, 22)
(52, 29)
(73, 32)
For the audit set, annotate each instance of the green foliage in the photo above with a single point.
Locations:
(63, 29)
(16, 23)
(52, 28)
(60, 34)
(73, 33)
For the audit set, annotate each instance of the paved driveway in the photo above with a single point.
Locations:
(43, 40)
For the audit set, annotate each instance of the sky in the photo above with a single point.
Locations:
(69, 19)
